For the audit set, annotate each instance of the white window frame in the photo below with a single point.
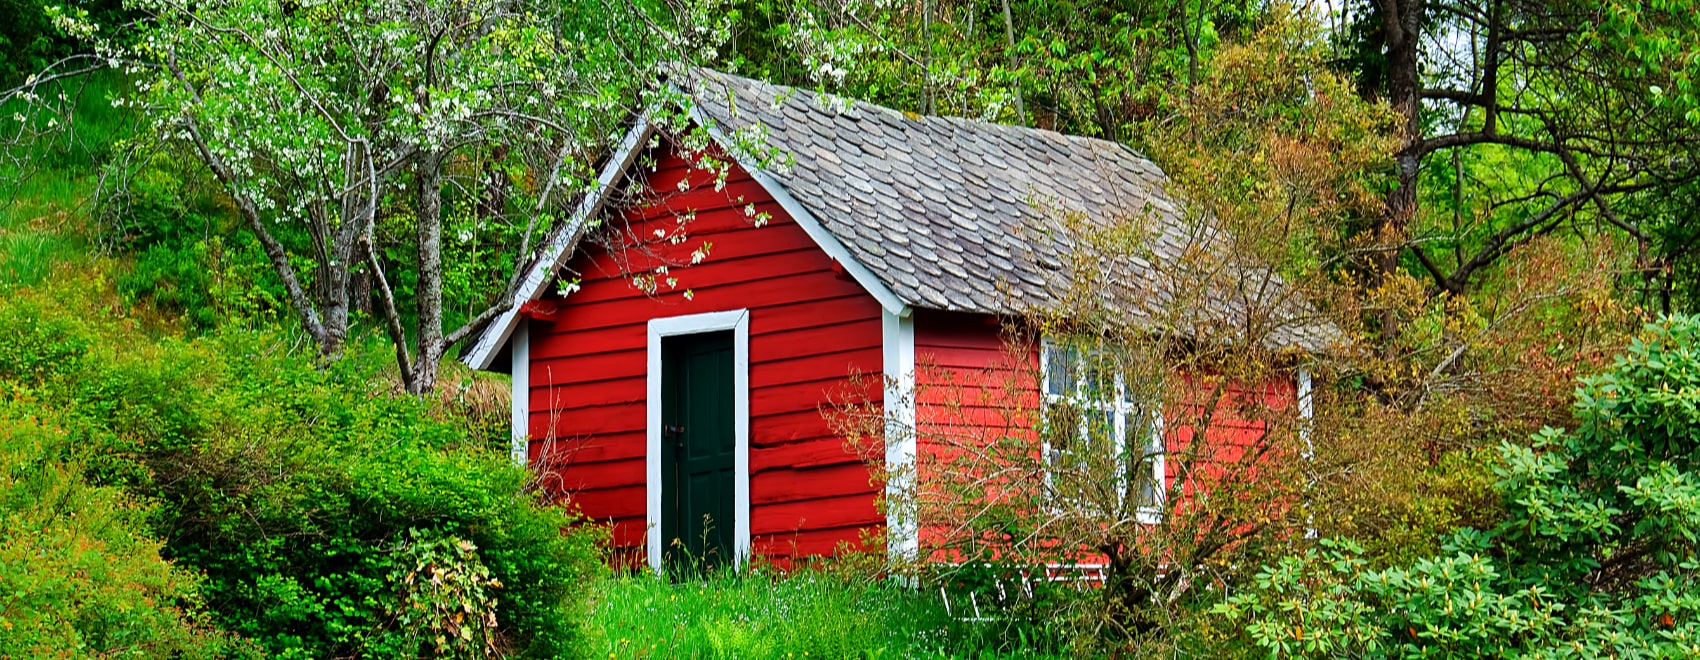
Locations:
(1124, 411)
(738, 321)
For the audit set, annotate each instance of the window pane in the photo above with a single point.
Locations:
(1148, 485)
(1100, 378)
(1101, 430)
(1062, 427)
(1137, 388)
(1147, 448)
(1060, 370)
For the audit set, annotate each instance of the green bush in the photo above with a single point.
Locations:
(295, 489)
(79, 574)
(1599, 555)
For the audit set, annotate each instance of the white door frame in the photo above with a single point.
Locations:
(738, 321)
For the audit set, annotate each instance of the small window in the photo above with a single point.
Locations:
(1095, 422)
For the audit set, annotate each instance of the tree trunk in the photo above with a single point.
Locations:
(494, 204)
(1009, 56)
(1401, 24)
(428, 177)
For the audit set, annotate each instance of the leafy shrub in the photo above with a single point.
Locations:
(186, 259)
(1599, 554)
(296, 489)
(446, 608)
(79, 573)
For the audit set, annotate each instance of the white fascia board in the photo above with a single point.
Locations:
(556, 253)
(902, 527)
(811, 225)
(738, 321)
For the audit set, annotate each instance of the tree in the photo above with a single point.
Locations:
(1524, 118)
(329, 123)
(1086, 68)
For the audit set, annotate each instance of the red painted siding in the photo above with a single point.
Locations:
(810, 329)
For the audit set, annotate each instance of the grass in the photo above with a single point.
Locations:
(766, 614)
(46, 185)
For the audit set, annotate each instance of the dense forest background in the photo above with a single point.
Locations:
(243, 240)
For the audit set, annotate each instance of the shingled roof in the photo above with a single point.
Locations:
(961, 215)
(945, 213)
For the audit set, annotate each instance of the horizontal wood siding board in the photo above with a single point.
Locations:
(728, 273)
(825, 513)
(546, 345)
(549, 396)
(616, 312)
(790, 344)
(625, 501)
(783, 428)
(580, 476)
(825, 311)
(808, 484)
(611, 364)
(810, 328)
(813, 542)
(594, 448)
(861, 361)
(801, 453)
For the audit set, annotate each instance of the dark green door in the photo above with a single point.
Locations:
(698, 446)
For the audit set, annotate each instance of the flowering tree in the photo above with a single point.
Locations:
(324, 121)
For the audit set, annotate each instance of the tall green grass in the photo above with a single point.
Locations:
(765, 614)
(46, 186)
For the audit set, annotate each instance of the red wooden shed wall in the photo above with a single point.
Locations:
(810, 329)
(968, 368)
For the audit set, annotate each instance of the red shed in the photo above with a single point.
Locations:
(673, 350)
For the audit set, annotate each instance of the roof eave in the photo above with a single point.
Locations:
(553, 255)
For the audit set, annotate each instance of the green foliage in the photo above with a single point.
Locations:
(446, 608)
(297, 491)
(1599, 554)
(29, 42)
(1083, 67)
(80, 573)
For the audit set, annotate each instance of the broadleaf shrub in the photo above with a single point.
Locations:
(1598, 556)
(294, 488)
(80, 576)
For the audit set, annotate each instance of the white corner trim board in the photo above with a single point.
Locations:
(738, 321)
(1307, 410)
(521, 394)
(902, 531)
(552, 255)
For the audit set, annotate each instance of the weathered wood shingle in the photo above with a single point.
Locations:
(968, 216)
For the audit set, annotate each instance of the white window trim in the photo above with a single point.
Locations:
(1156, 443)
(738, 321)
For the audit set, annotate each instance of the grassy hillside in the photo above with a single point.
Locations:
(179, 478)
